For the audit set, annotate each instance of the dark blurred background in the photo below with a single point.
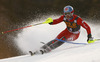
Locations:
(17, 13)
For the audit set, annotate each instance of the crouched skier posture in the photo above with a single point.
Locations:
(71, 33)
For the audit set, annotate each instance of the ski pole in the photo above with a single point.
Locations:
(20, 28)
(49, 20)
(97, 39)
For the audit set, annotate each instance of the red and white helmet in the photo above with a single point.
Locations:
(68, 9)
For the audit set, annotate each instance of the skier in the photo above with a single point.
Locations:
(71, 33)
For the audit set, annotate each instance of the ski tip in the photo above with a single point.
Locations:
(42, 42)
(31, 53)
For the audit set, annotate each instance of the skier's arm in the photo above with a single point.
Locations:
(84, 25)
(56, 21)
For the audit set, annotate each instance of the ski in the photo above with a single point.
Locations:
(42, 43)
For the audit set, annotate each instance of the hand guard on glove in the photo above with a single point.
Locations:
(90, 39)
(48, 20)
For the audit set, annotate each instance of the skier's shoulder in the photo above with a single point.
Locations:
(62, 16)
(78, 17)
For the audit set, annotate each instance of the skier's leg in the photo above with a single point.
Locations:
(55, 43)
(52, 45)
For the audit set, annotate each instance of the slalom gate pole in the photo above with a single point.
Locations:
(20, 28)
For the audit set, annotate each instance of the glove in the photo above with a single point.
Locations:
(90, 39)
(49, 20)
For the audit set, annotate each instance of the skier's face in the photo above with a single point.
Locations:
(68, 15)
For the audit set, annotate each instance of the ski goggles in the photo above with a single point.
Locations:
(68, 13)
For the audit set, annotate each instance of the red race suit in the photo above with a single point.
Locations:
(72, 30)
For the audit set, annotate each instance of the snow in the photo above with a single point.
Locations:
(83, 53)
(75, 51)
